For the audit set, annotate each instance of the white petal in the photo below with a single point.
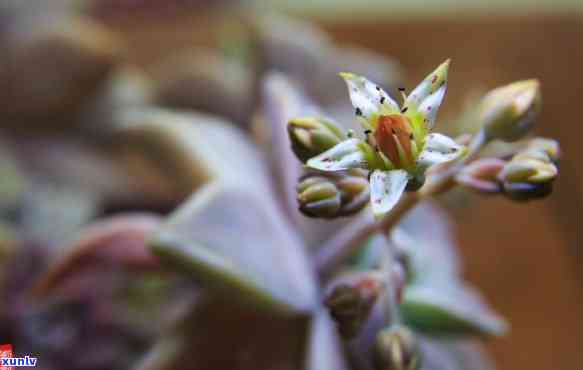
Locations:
(368, 99)
(343, 156)
(430, 106)
(439, 149)
(386, 188)
(434, 81)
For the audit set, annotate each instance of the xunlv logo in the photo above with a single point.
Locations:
(7, 362)
(18, 361)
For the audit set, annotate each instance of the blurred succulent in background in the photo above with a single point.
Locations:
(153, 233)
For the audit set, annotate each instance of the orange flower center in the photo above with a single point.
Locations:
(393, 136)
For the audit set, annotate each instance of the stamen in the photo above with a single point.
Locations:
(403, 94)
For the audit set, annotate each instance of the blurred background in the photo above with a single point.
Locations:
(527, 260)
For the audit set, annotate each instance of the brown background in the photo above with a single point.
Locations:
(526, 259)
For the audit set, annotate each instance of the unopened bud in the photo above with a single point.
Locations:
(351, 299)
(533, 167)
(311, 136)
(397, 349)
(509, 112)
(528, 175)
(330, 195)
(482, 175)
(549, 146)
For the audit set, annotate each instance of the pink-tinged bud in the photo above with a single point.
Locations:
(481, 176)
(351, 298)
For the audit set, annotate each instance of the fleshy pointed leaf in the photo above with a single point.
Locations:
(120, 239)
(432, 242)
(282, 102)
(324, 352)
(200, 147)
(453, 354)
(386, 188)
(449, 310)
(230, 233)
(236, 240)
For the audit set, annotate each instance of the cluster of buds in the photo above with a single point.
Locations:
(529, 174)
(331, 195)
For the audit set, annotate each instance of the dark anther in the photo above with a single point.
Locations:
(358, 112)
(367, 132)
(401, 89)
(382, 99)
(404, 109)
(411, 136)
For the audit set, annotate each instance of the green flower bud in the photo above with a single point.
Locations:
(532, 166)
(397, 349)
(509, 112)
(529, 174)
(331, 195)
(549, 146)
(311, 136)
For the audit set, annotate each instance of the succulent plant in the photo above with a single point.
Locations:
(169, 239)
